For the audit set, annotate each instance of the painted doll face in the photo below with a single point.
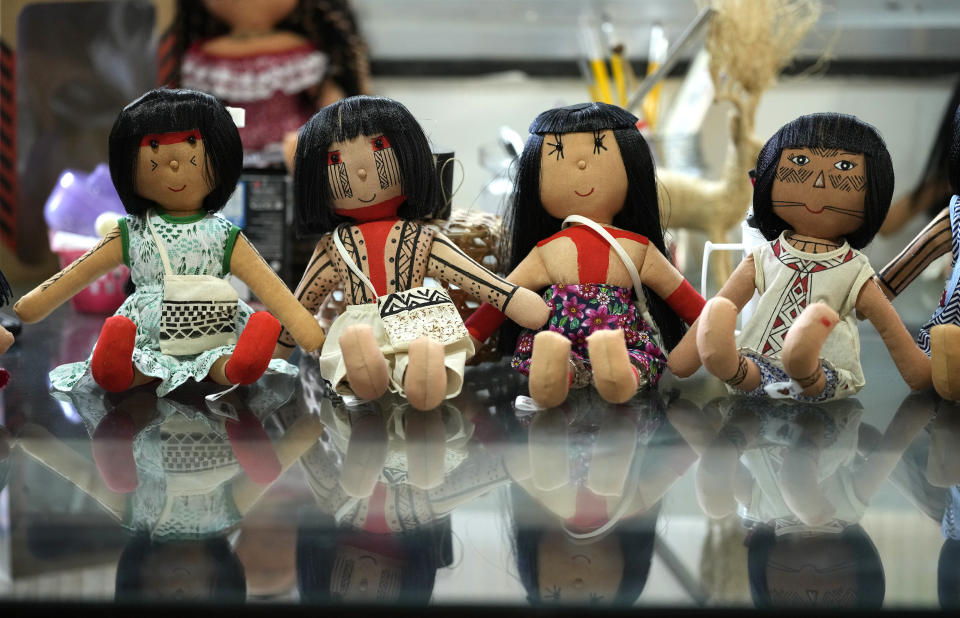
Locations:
(361, 575)
(575, 573)
(172, 171)
(820, 192)
(363, 172)
(250, 15)
(582, 174)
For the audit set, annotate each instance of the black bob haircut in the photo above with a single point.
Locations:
(840, 131)
(343, 121)
(427, 548)
(635, 535)
(871, 581)
(526, 222)
(165, 111)
(229, 583)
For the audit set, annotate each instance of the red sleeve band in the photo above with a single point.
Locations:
(686, 302)
(484, 321)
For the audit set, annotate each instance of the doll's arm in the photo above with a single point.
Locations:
(318, 280)
(662, 277)
(531, 274)
(104, 257)
(247, 264)
(932, 242)
(447, 262)
(910, 360)
(739, 288)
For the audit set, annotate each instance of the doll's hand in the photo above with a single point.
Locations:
(6, 340)
(528, 310)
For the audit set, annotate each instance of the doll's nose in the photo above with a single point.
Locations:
(362, 174)
(818, 183)
(582, 164)
(174, 164)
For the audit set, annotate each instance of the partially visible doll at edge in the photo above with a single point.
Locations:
(175, 158)
(280, 60)
(823, 187)
(940, 336)
(364, 172)
(590, 160)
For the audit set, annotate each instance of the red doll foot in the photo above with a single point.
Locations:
(112, 447)
(112, 362)
(252, 448)
(254, 349)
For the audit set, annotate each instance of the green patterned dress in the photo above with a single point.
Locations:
(197, 245)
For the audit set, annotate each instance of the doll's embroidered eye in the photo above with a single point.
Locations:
(598, 142)
(192, 140)
(557, 146)
(552, 593)
(844, 166)
(380, 143)
(333, 158)
(799, 159)
(155, 144)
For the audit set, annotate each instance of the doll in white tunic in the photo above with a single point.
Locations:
(823, 187)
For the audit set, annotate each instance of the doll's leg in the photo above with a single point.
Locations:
(943, 460)
(6, 339)
(614, 375)
(799, 475)
(613, 453)
(802, 345)
(550, 369)
(548, 450)
(425, 380)
(717, 474)
(366, 367)
(945, 360)
(112, 449)
(718, 346)
(365, 453)
(112, 362)
(426, 446)
(251, 355)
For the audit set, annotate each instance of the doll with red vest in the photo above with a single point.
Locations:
(823, 187)
(616, 300)
(364, 176)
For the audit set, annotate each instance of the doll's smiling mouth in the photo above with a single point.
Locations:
(590, 192)
(178, 190)
(816, 212)
(367, 201)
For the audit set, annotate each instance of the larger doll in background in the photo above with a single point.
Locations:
(364, 175)
(590, 160)
(175, 158)
(280, 60)
(823, 187)
(940, 336)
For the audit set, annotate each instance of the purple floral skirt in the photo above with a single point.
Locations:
(579, 310)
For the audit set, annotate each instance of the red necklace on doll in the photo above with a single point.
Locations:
(384, 210)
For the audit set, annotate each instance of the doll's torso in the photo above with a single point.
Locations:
(271, 85)
(393, 254)
(949, 310)
(790, 280)
(578, 254)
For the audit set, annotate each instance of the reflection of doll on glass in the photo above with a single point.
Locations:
(590, 160)
(823, 187)
(175, 160)
(364, 174)
(280, 60)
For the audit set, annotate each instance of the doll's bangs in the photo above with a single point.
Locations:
(583, 117)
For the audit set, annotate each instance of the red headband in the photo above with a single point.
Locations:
(175, 137)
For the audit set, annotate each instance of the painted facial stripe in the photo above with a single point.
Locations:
(388, 171)
(824, 152)
(339, 181)
(790, 174)
(844, 182)
(169, 138)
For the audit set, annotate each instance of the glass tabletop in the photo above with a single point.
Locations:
(281, 492)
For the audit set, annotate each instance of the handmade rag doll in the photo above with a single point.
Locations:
(363, 177)
(6, 337)
(940, 336)
(823, 187)
(601, 273)
(281, 61)
(175, 159)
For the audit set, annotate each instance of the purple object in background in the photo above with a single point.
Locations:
(78, 199)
